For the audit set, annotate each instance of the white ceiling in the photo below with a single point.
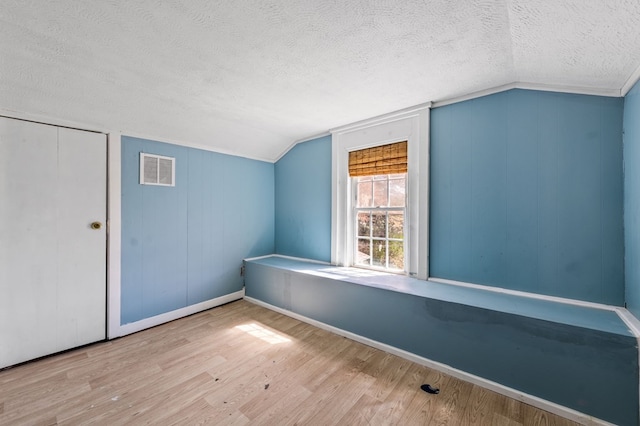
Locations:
(252, 76)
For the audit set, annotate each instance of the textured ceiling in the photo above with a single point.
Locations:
(251, 77)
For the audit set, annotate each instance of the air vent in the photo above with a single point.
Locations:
(157, 170)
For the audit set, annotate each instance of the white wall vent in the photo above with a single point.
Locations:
(157, 170)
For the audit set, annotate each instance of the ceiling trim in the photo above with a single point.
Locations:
(308, 139)
(53, 121)
(592, 91)
(380, 119)
(631, 81)
(193, 145)
(474, 95)
(577, 90)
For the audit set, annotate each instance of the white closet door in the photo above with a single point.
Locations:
(52, 263)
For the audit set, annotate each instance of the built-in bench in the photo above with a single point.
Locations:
(577, 361)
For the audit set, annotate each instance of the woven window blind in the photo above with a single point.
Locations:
(379, 160)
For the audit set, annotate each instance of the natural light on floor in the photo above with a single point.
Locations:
(262, 333)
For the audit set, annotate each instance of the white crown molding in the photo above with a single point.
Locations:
(193, 145)
(303, 140)
(631, 81)
(53, 121)
(474, 95)
(381, 119)
(576, 90)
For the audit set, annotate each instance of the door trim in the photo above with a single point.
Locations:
(114, 234)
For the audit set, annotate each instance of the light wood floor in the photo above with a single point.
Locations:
(243, 364)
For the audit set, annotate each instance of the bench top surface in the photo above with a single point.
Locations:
(549, 310)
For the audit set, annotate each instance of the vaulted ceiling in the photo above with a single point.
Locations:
(250, 77)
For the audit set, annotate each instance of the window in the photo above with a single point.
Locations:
(379, 184)
(370, 226)
(379, 212)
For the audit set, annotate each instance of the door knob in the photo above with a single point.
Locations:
(96, 225)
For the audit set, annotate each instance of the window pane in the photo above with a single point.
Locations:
(396, 225)
(396, 192)
(364, 251)
(364, 193)
(364, 226)
(379, 224)
(376, 222)
(379, 253)
(396, 254)
(380, 196)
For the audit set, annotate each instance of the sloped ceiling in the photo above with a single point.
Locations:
(252, 76)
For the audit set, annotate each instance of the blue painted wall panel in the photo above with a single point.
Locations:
(248, 216)
(184, 245)
(521, 212)
(548, 248)
(526, 194)
(460, 158)
(153, 236)
(303, 201)
(487, 195)
(612, 262)
(131, 294)
(632, 198)
(205, 177)
(441, 212)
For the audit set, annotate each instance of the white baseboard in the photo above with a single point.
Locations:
(535, 401)
(133, 327)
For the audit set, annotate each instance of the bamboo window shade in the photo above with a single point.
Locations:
(379, 160)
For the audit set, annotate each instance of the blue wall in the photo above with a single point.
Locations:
(303, 201)
(527, 194)
(185, 244)
(632, 198)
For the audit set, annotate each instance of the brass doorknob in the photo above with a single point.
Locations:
(96, 225)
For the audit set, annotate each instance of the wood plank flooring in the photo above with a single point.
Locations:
(242, 364)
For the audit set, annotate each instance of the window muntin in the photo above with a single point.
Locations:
(379, 214)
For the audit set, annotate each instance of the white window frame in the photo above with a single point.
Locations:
(411, 125)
